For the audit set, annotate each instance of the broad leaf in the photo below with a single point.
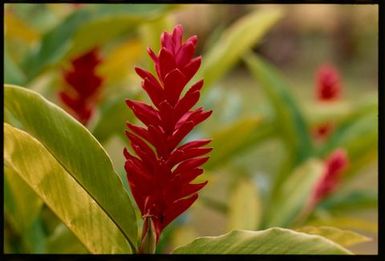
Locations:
(244, 210)
(32, 162)
(342, 237)
(270, 241)
(294, 194)
(242, 35)
(77, 151)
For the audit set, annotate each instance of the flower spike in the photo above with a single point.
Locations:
(84, 85)
(161, 172)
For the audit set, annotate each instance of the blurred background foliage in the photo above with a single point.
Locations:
(259, 65)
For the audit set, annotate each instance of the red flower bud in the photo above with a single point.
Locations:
(83, 86)
(161, 173)
(334, 168)
(328, 83)
(328, 88)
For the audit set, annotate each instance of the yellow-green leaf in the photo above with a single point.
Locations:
(244, 211)
(38, 168)
(238, 38)
(343, 237)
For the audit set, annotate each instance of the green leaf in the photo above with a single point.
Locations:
(351, 201)
(289, 118)
(77, 151)
(244, 206)
(270, 241)
(31, 161)
(294, 194)
(342, 237)
(242, 35)
(248, 132)
(80, 31)
(55, 44)
(114, 21)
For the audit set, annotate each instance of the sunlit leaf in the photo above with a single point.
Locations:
(342, 237)
(31, 161)
(238, 38)
(244, 210)
(270, 241)
(77, 151)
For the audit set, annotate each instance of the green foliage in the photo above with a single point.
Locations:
(351, 201)
(76, 151)
(235, 41)
(289, 119)
(113, 116)
(293, 195)
(33, 163)
(270, 241)
(249, 132)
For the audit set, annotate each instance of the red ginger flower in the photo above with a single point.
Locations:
(328, 89)
(84, 86)
(328, 83)
(161, 173)
(335, 165)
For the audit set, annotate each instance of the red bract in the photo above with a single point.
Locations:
(328, 83)
(160, 175)
(334, 167)
(83, 86)
(328, 89)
